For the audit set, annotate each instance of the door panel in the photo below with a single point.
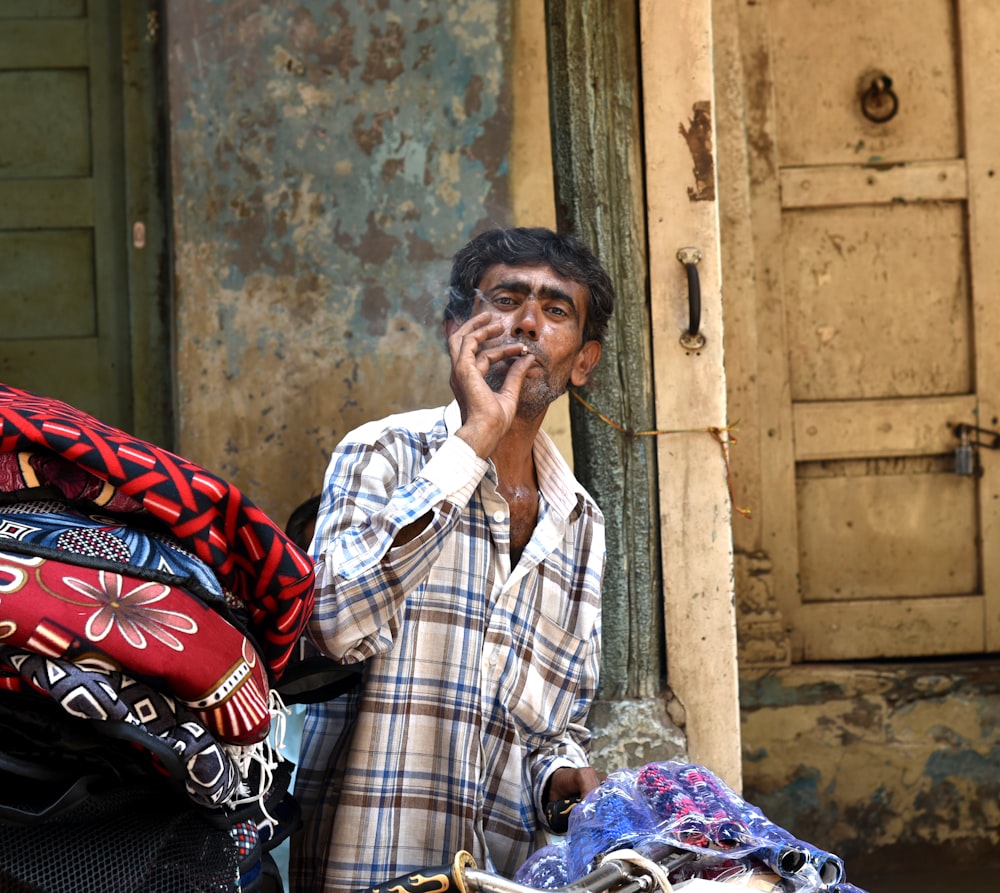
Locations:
(876, 319)
(885, 528)
(27, 9)
(822, 51)
(45, 129)
(28, 271)
(869, 284)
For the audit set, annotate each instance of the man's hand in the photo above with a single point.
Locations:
(572, 784)
(565, 788)
(486, 414)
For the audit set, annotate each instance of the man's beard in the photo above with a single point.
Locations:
(537, 394)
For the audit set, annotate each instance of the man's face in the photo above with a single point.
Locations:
(546, 314)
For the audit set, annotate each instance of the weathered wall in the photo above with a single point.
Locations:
(327, 161)
(875, 760)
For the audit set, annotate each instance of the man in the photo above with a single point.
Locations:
(459, 557)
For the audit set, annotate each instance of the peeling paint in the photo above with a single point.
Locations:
(328, 160)
(885, 756)
(698, 136)
(631, 733)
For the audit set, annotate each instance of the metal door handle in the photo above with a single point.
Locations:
(879, 103)
(692, 339)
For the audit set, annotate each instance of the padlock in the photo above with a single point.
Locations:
(965, 457)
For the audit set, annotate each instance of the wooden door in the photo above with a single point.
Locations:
(873, 126)
(82, 310)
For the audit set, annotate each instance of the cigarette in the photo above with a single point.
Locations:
(524, 350)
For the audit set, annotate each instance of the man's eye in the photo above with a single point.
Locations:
(502, 301)
(556, 310)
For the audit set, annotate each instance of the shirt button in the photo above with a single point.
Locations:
(499, 515)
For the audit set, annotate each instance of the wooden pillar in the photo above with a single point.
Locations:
(695, 508)
(595, 107)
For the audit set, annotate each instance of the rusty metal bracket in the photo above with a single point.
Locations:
(976, 435)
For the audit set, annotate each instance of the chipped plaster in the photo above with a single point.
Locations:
(327, 161)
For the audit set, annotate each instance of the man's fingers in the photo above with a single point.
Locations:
(573, 783)
(515, 376)
(480, 328)
(502, 352)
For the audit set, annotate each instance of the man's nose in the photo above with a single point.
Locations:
(526, 322)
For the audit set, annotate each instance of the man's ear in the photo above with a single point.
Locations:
(585, 362)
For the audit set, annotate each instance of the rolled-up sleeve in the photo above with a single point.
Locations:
(371, 492)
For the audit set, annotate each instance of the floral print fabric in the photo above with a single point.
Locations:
(161, 634)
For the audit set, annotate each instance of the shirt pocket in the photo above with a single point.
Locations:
(541, 679)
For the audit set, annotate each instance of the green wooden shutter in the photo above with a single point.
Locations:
(65, 233)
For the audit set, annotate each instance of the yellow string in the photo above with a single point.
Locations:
(723, 437)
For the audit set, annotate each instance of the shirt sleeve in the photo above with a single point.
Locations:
(371, 492)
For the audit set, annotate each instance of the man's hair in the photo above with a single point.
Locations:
(523, 246)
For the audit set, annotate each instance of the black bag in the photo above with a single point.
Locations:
(99, 807)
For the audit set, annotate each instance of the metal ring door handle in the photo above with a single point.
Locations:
(879, 103)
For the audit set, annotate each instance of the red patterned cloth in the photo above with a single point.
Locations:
(207, 515)
(160, 634)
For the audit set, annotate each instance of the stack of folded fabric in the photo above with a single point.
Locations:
(684, 807)
(147, 610)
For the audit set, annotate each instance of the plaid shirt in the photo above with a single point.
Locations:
(479, 677)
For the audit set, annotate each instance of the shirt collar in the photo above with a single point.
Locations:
(558, 484)
(555, 480)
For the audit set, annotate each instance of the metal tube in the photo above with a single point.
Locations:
(622, 877)
(602, 878)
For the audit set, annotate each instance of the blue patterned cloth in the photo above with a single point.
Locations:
(686, 807)
(54, 529)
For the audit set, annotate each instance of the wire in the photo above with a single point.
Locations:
(723, 436)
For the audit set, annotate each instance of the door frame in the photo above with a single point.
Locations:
(146, 174)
